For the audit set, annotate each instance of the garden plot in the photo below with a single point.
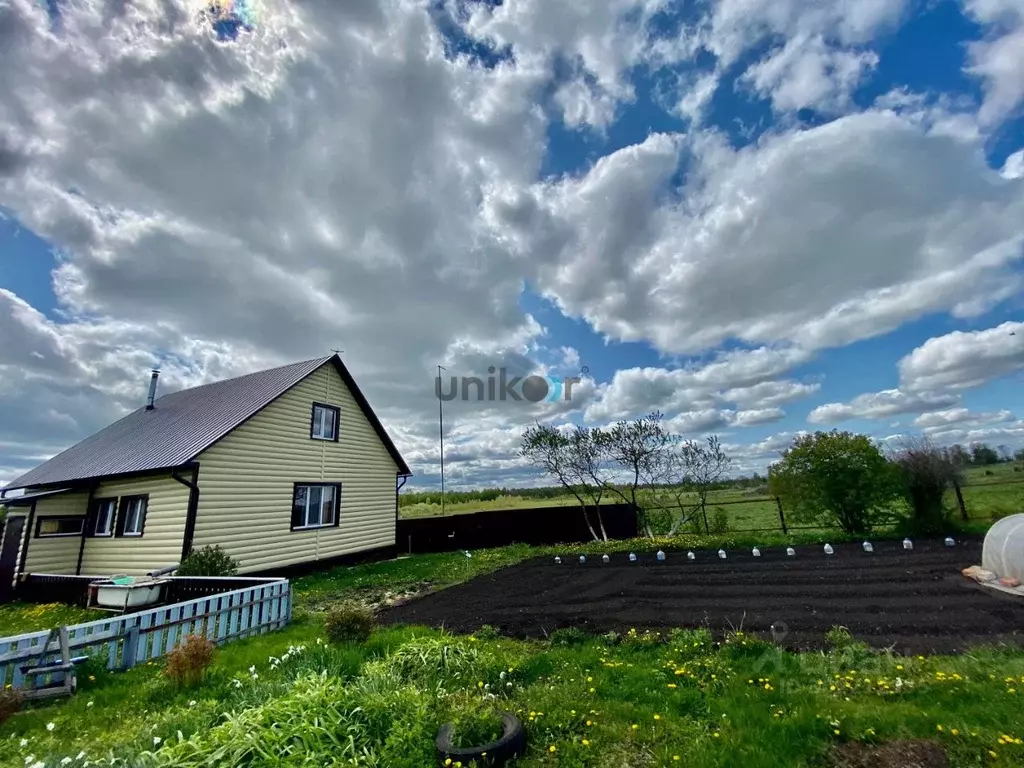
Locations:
(915, 601)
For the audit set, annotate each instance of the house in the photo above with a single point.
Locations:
(281, 467)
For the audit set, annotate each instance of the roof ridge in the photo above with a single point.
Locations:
(318, 360)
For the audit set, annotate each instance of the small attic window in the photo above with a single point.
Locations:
(324, 422)
(47, 527)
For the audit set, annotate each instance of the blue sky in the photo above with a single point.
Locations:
(760, 218)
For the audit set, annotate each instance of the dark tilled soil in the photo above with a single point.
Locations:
(895, 754)
(914, 601)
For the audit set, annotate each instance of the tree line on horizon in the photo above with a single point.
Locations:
(976, 455)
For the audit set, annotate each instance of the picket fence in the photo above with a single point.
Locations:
(136, 638)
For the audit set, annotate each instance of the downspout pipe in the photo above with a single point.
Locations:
(193, 507)
(398, 486)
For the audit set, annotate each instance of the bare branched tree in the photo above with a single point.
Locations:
(639, 448)
(566, 458)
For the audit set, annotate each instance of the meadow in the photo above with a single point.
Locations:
(988, 493)
(628, 699)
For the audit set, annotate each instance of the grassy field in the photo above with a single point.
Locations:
(990, 492)
(290, 699)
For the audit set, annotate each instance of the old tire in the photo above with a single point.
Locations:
(511, 744)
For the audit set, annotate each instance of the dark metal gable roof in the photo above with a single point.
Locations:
(185, 423)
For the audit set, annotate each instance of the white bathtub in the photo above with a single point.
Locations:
(128, 595)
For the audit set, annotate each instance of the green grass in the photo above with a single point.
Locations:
(635, 700)
(19, 618)
(986, 496)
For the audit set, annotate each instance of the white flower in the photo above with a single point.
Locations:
(50, 726)
(156, 740)
(502, 675)
(30, 758)
(65, 760)
(255, 676)
(89, 704)
(252, 669)
(80, 756)
(38, 764)
(192, 703)
(23, 743)
(181, 736)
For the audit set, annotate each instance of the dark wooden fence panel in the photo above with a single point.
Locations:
(496, 528)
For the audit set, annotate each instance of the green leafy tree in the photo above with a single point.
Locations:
(836, 477)
(983, 455)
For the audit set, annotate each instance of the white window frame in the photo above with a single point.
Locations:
(318, 422)
(335, 489)
(140, 503)
(111, 506)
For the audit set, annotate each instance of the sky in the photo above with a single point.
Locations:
(760, 217)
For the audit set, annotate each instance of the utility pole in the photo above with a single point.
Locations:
(440, 430)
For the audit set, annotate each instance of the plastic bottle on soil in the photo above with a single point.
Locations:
(721, 554)
(868, 546)
(632, 557)
(950, 542)
(661, 555)
(790, 552)
(829, 550)
(558, 560)
(690, 556)
(908, 544)
(583, 558)
(756, 552)
(606, 559)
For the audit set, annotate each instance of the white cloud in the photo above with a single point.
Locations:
(1013, 168)
(998, 59)
(964, 359)
(877, 405)
(748, 378)
(810, 73)
(959, 417)
(818, 237)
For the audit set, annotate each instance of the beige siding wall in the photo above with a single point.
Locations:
(22, 513)
(55, 554)
(246, 481)
(162, 535)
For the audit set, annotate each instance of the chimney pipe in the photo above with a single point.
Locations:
(152, 390)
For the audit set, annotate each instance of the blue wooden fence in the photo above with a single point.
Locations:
(131, 639)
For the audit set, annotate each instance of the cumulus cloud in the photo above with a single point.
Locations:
(964, 359)
(998, 59)
(932, 377)
(911, 219)
(809, 73)
(878, 405)
(960, 418)
(746, 378)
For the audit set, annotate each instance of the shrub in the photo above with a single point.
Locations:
(208, 561)
(927, 473)
(838, 638)
(10, 704)
(187, 664)
(487, 632)
(989, 472)
(835, 477)
(719, 520)
(567, 636)
(349, 623)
